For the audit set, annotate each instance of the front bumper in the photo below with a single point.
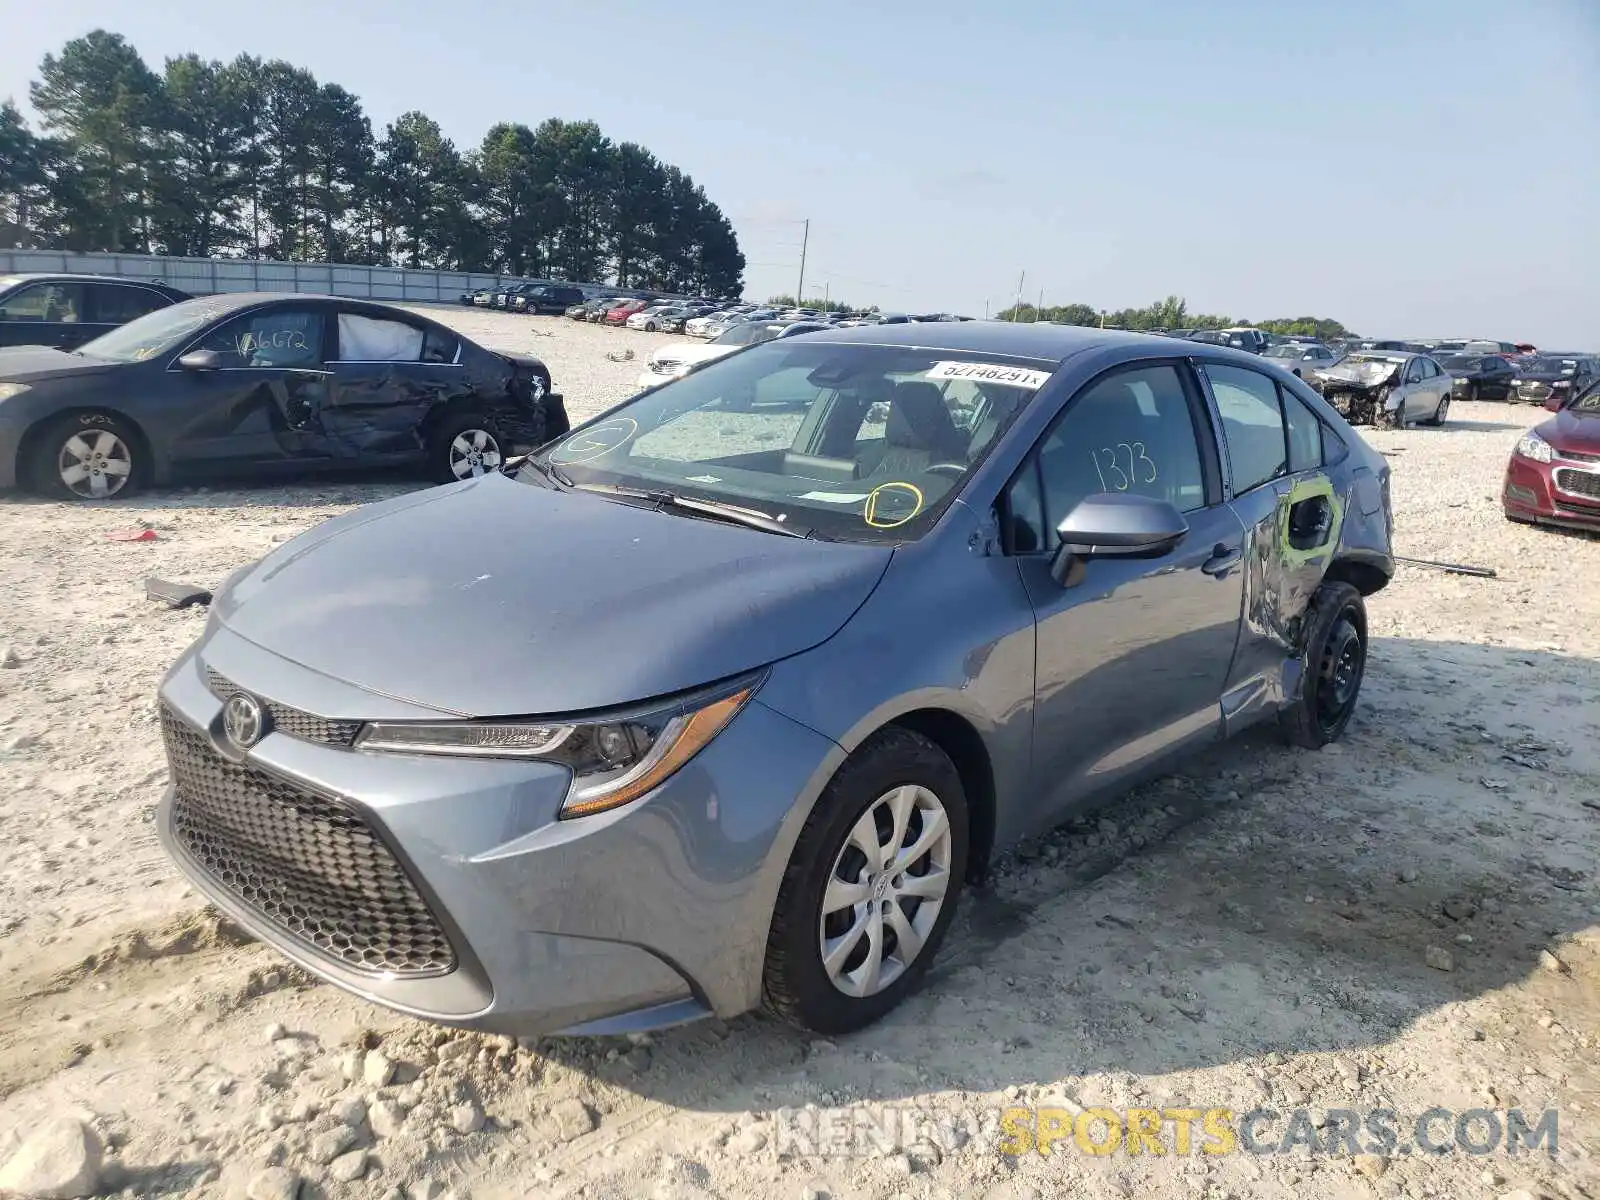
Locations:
(650, 915)
(1553, 493)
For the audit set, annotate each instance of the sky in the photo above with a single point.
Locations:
(1409, 167)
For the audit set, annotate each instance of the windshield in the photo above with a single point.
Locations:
(1552, 366)
(1589, 402)
(1287, 352)
(1461, 362)
(847, 442)
(156, 333)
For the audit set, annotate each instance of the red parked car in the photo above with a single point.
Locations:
(1553, 477)
(620, 314)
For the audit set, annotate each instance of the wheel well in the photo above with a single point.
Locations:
(956, 737)
(1364, 577)
(31, 438)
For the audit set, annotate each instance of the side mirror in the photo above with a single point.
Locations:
(1115, 525)
(200, 360)
(1554, 402)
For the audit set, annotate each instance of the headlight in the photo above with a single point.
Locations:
(612, 762)
(1531, 445)
(8, 390)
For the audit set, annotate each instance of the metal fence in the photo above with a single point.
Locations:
(209, 276)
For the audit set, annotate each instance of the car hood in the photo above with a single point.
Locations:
(1544, 377)
(30, 364)
(1572, 431)
(499, 598)
(1365, 373)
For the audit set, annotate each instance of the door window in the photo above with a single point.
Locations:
(52, 302)
(371, 339)
(117, 305)
(1252, 422)
(282, 337)
(1130, 432)
(1305, 434)
(1414, 371)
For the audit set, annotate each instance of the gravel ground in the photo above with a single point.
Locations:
(1406, 920)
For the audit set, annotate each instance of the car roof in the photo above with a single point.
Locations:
(76, 277)
(1006, 339)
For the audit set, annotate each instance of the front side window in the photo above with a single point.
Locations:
(849, 442)
(1132, 431)
(1252, 422)
(283, 337)
(54, 303)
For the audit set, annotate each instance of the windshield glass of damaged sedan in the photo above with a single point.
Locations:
(847, 442)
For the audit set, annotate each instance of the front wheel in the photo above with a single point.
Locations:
(1389, 418)
(84, 456)
(464, 446)
(870, 888)
(1334, 664)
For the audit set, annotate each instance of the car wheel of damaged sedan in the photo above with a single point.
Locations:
(465, 446)
(871, 886)
(1335, 664)
(85, 456)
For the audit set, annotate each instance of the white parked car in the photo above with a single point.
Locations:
(649, 319)
(677, 359)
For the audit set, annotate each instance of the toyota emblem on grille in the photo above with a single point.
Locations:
(243, 721)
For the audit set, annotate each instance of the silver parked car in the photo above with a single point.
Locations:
(722, 700)
(1387, 387)
(1300, 358)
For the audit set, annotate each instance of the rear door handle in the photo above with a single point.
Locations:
(1223, 559)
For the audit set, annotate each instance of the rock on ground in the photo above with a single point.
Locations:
(60, 1160)
(275, 1183)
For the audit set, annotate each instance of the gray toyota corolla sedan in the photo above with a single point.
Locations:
(721, 699)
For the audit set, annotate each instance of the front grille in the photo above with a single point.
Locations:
(293, 721)
(310, 866)
(665, 366)
(1579, 483)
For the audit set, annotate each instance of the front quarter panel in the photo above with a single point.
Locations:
(948, 628)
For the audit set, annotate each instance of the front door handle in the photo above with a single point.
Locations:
(1223, 559)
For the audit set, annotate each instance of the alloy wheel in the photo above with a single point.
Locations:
(885, 891)
(474, 452)
(95, 465)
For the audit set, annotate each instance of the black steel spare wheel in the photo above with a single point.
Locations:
(1335, 661)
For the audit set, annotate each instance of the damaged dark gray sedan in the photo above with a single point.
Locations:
(258, 384)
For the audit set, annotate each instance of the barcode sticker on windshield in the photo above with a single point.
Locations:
(1020, 377)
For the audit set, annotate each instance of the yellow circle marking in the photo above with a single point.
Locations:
(870, 513)
(596, 441)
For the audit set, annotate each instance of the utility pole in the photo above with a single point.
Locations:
(1038, 313)
(800, 288)
(1016, 311)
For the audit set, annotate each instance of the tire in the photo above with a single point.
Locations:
(893, 768)
(651, 327)
(1472, 393)
(464, 445)
(85, 456)
(1335, 663)
(1440, 413)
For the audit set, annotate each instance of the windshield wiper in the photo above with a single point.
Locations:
(666, 501)
(550, 471)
